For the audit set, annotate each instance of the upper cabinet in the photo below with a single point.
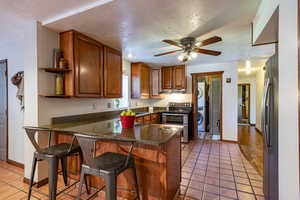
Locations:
(173, 77)
(155, 83)
(96, 70)
(167, 78)
(112, 73)
(88, 67)
(179, 77)
(140, 81)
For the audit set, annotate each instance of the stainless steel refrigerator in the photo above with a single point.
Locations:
(270, 129)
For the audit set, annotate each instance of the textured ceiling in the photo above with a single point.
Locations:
(138, 26)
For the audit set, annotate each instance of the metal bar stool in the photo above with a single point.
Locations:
(53, 154)
(107, 166)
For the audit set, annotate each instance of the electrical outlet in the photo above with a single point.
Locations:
(109, 105)
(94, 107)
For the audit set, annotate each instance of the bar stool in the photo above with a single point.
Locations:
(53, 154)
(107, 166)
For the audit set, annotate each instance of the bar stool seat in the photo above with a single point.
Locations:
(60, 150)
(111, 162)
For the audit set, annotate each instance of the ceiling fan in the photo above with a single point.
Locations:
(191, 47)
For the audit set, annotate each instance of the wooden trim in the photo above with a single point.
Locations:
(5, 61)
(258, 131)
(299, 80)
(207, 73)
(249, 104)
(254, 45)
(16, 164)
(38, 184)
(230, 141)
(194, 99)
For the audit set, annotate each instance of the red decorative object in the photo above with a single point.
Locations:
(127, 121)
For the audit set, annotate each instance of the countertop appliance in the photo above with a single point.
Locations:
(180, 114)
(270, 129)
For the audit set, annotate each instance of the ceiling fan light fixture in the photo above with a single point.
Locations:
(198, 44)
(194, 55)
(181, 57)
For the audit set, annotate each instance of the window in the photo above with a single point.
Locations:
(123, 102)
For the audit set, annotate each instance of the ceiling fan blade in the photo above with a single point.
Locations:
(171, 42)
(169, 52)
(209, 41)
(208, 52)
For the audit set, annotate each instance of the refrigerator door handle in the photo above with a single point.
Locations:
(266, 115)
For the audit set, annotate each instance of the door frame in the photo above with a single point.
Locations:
(194, 99)
(249, 94)
(6, 121)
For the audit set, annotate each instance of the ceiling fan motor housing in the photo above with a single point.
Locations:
(188, 41)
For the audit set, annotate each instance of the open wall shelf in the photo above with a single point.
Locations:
(56, 70)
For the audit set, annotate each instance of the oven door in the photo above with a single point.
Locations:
(178, 119)
(175, 118)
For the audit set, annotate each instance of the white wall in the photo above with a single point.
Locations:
(288, 123)
(13, 52)
(30, 91)
(260, 74)
(251, 79)
(229, 97)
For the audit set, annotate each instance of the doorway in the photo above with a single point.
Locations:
(244, 103)
(207, 105)
(3, 110)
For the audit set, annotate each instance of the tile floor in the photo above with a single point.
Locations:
(211, 170)
(214, 170)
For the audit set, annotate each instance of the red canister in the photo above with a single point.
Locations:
(127, 121)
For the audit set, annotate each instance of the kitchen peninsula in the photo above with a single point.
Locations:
(157, 154)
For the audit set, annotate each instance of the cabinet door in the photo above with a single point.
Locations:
(112, 73)
(179, 78)
(147, 118)
(88, 67)
(167, 78)
(155, 83)
(145, 82)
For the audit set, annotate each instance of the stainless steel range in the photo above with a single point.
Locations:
(179, 114)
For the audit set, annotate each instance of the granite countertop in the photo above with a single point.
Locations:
(151, 134)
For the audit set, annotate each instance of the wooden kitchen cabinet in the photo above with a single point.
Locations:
(155, 83)
(173, 77)
(139, 119)
(155, 118)
(167, 78)
(112, 73)
(140, 81)
(179, 77)
(95, 69)
(88, 67)
(147, 118)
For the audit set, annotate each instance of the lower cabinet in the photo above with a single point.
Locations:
(153, 118)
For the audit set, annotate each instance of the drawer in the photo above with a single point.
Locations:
(139, 119)
(147, 118)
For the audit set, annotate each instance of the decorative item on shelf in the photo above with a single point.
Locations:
(63, 64)
(127, 119)
(57, 55)
(59, 84)
(18, 80)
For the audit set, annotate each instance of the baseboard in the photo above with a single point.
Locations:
(38, 184)
(258, 130)
(16, 164)
(230, 141)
